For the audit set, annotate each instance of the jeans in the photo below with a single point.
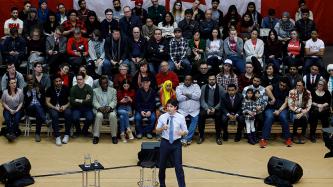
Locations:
(173, 150)
(83, 111)
(38, 112)
(238, 63)
(55, 121)
(185, 63)
(12, 121)
(148, 128)
(123, 111)
(269, 119)
(192, 127)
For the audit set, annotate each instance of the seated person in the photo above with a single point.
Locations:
(145, 105)
(41, 78)
(104, 103)
(12, 74)
(57, 101)
(227, 75)
(125, 97)
(35, 48)
(311, 79)
(12, 103)
(314, 52)
(81, 96)
(201, 78)
(254, 50)
(233, 48)
(210, 101)
(87, 78)
(188, 96)
(136, 50)
(231, 107)
(165, 74)
(293, 76)
(143, 72)
(77, 50)
(166, 92)
(34, 103)
(119, 78)
(214, 50)
(14, 48)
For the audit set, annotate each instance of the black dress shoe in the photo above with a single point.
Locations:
(114, 140)
(95, 140)
(219, 141)
(238, 137)
(313, 138)
(200, 141)
(225, 136)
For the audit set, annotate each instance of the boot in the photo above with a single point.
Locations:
(250, 139)
(254, 137)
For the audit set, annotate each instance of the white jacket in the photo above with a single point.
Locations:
(250, 51)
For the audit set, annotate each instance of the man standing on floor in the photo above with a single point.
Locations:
(172, 125)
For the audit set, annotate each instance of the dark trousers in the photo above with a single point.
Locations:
(55, 121)
(301, 122)
(12, 121)
(175, 151)
(82, 112)
(240, 124)
(54, 61)
(38, 112)
(315, 115)
(202, 122)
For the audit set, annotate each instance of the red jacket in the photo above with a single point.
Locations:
(73, 45)
(172, 76)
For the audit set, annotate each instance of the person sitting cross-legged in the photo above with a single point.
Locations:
(104, 103)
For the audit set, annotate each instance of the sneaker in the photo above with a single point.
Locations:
(200, 141)
(123, 137)
(288, 142)
(58, 141)
(313, 138)
(130, 134)
(65, 139)
(37, 138)
(189, 142)
(263, 143)
(139, 136)
(149, 136)
(219, 141)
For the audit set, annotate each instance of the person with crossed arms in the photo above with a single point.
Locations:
(172, 125)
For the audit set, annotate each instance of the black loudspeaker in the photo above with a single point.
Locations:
(150, 151)
(16, 173)
(284, 169)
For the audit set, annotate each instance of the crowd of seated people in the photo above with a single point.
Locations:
(123, 69)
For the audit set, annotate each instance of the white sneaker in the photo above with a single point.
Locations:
(65, 139)
(130, 134)
(58, 141)
(123, 137)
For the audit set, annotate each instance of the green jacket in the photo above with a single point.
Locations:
(81, 93)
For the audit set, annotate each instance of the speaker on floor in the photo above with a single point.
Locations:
(284, 169)
(16, 173)
(328, 139)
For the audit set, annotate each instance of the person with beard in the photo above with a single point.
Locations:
(109, 23)
(217, 14)
(210, 103)
(293, 76)
(128, 22)
(57, 101)
(231, 18)
(83, 12)
(305, 25)
(92, 23)
(311, 79)
(256, 85)
(314, 52)
(284, 27)
(115, 48)
(139, 11)
(13, 22)
(73, 22)
(156, 12)
(187, 25)
(118, 13)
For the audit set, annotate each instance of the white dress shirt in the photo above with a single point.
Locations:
(188, 106)
(179, 123)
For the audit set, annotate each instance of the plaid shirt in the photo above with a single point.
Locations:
(178, 49)
(248, 106)
(68, 25)
(34, 98)
(225, 80)
(262, 103)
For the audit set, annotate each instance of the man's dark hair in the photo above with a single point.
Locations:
(71, 12)
(103, 77)
(60, 28)
(108, 10)
(189, 11)
(218, 1)
(284, 80)
(271, 12)
(26, 2)
(13, 8)
(257, 77)
(173, 102)
(232, 86)
(80, 1)
(38, 63)
(10, 63)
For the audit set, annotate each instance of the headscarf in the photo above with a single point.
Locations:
(287, 26)
(166, 95)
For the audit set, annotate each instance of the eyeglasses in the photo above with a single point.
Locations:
(109, 14)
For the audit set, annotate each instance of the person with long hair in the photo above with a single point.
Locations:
(321, 104)
(126, 99)
(30, 23)
(51, 24)
(231, 18)
(270, 77)
(177, 11)
(227, 75)
(197, 46)
(35, 48)
(273, 50)
(166, 92)
(214, 50)
(246, 26)
(96, 53)
(92, 23)
(295, 51)
(255, 15)
(12, 102)
(249, 111)
(143, 72)
(299, 102)
(168, 25)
